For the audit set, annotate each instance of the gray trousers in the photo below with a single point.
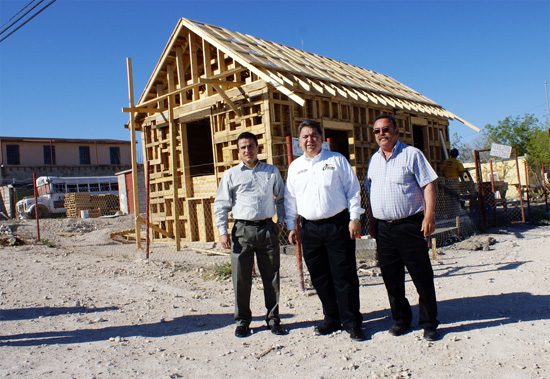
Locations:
(264, 242)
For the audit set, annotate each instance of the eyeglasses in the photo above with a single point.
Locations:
(383, 130)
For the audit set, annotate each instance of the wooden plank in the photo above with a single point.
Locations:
(207, 64)
(180, 71)
(193, 65)
(188, 87)
(337, 125)
(227, 99)
(173, 156)
(155, 227)
(133, 146)
(220, 82)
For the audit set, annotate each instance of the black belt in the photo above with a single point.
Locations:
(329, 220)
(254, 222)
(415, 218)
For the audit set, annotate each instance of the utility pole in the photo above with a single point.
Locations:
(547, 107)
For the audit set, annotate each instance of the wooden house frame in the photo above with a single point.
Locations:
(211, 84)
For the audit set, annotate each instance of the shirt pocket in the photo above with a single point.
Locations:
(397, 175)
(327, 178)
(262, 182)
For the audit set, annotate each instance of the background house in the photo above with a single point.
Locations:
(211, 84)
(20, 157)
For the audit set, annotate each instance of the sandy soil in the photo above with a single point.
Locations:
(91, 307)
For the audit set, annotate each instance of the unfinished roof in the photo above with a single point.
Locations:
(292, 71)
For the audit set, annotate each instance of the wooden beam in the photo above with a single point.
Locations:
(174, 157)
(194, 65)
(227, 99)
(133, 148)
(206, 61)
(180, 70)
(142, 110)
(190, 86)
(220, 82)
(155, 227)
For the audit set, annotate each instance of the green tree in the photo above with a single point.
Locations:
(527, 134)
(518, 132)
(539, 152)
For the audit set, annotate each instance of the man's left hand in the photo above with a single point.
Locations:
(428, 225)
(354, 229)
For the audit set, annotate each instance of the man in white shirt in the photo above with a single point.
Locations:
(252, 190)
(402, 200)
(322, 189)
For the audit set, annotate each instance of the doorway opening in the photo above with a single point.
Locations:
(418, 138)
(199, 147)
(339, 141)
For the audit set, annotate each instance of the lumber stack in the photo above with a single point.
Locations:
(96, 205)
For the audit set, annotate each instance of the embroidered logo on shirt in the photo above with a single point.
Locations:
(301, 171)
(327, 167)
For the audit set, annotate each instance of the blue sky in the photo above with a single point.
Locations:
(63, 74)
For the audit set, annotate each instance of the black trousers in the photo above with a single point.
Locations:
(403, 245)
(329, 253)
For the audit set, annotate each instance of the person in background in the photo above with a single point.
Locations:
(252, 190)
(402, 202)
(322, 189)
(452, 168)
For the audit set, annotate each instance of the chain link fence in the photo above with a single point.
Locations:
(194, 220)
(490, 193)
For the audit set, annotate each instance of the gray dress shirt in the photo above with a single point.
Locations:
(250, 194)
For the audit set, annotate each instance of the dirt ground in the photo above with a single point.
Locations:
(81, 305)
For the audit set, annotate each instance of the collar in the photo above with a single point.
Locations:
(242, 166)
(317, 157)
(394, 151)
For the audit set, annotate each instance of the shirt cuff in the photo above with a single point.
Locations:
(354, 216)
(223, 230)
(290, 224)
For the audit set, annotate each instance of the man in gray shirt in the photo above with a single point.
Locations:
(251, 191)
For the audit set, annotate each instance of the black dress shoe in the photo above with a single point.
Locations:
(431, 334)
(277, 329)
(242, 331)
(397, 330)
(356, 334)
(326, 328)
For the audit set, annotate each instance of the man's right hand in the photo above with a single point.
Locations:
(292, 237)
(225, 241)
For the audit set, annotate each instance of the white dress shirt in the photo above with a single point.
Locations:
(321, 187)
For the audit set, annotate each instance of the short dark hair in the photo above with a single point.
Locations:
(310, 124)
(247, 135)
(454, 153)
(385, 115)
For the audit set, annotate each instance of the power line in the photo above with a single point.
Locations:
(33, 16)
(32, 1)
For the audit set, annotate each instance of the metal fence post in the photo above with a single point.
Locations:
(147, 167)
(36, 206)
(544, 186)
(493, 200)
(519, 186)
(527, 189)
(481, 190)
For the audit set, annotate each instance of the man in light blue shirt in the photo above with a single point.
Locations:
(402, 201)
(252, 191)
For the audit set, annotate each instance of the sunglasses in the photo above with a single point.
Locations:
(383, 130)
